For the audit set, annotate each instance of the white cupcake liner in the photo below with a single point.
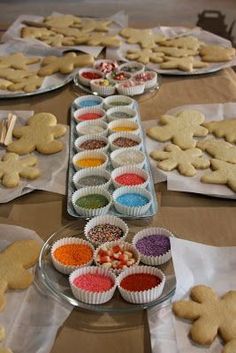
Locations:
(109, 76)
(126, 247)
(127, 152)
(86, 81)
(146, 296)
(127, 110)
(65, 241)
(102, 90)
(150, 83)
(90, 297)
(124, 123)
(98, 62)
(89, 97)
(88, 124)
(124, 134)
(153, 260)
(133, 64)
(81, 111)
(90, 154)
(83, 139)
(129, 169)
(86, 212)
(118, 98)
(107, 219)
(132, 90)
(83, 173)
(134, 211)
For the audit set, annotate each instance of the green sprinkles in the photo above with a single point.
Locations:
(92, 201)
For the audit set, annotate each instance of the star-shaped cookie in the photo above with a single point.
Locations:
(144, 56)
(183, 64)
(223, 128)
(146, 38)
(17, 61)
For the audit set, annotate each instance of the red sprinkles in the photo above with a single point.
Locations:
(140, 282)
(130, 179)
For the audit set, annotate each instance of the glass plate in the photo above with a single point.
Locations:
(58, 283)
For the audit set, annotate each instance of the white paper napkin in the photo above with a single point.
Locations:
(176, 181)
(194, 264)
(31, 318)
(53, 167)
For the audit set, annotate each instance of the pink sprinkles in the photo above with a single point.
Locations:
(93, 282)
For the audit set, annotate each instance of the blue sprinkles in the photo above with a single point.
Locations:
(89, 103)
(132, 200)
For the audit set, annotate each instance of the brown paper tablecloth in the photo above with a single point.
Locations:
(190, 216)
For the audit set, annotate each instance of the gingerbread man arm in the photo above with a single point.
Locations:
(58, 130)
(203, 331)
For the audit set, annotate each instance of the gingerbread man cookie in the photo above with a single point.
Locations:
(12, 168)
(219, 149)
(185, 161)
(183, 64)
(103, 40)
(62, 21)
(187, 42)
(36, 32)
(14, 262)
(28, 84)
(223, 173)
(211, 316)
(4, 84)
(215, 53)
(145, 37)
(39, 134)
(176, 52)
(64, 64)
(17, 61)
(91, 25)
(223, 128)
(180, 128)
(144, 56)
(15, 75)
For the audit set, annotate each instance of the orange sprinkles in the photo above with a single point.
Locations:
(73, 254)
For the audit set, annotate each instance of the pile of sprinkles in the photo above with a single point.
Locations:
(102, 233)
(93, 144)
(92, 201)
(132, 200)
(125, 142)
(153, 245)
(140, 282)
(73, 254)
(89, 162)
(93, 282)
(129, 179)
(92, 180)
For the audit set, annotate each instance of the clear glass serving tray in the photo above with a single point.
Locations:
(58, 284)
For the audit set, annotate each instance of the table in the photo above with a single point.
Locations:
(195, 217)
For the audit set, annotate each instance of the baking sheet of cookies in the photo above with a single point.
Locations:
(178, 182)
(50, 83)
(119, 20)
(170, 32)
(53, 167)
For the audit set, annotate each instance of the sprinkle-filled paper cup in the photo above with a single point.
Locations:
(121, 113)
(141, 284)
(132, 67)
(87, 74)
(132, 201)
(68, 254)
(106, 65)
(124, 140)
(130, 88)
(88, 101)
(127, 156)
(103, 87)
(92, 177)
(118, 101)
(102, 229)
(87, 114)
(91, 201)
(149, 78)
(129, 176)
(123, 125)
(92, 127)
(118, 76)
(93, 285)
(89, 159)
(116, 255)
(153, 244)
(91, 143)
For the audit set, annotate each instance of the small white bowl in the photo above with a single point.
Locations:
(80, 140)
(114, 101)
(86, 81)
(83, 173)
(92, 110)
(103, 90)
(111, 76)
(78, 102)
(92, 127)
(90, 155)
(106, 65)
(117, 110)
(133, 64)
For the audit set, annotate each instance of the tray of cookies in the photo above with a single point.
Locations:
(109, 171)
(107, 77)
(116, 270)
(175, 50)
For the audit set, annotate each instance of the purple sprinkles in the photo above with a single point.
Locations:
(153, 245)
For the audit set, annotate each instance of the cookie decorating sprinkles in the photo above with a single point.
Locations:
(105, 232)
(132, 200)
(89, 162)
(91, 129)
(92, 144)
(93, 282)
(92, 201)
(133, 157)
(89, 116)
(118, 103)
(129, 179)
(121, 115)
(140, 282)
(125, 142)
(73, 254)
(89, 103)
(123, 128)
(92, 180)
(153, 245)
